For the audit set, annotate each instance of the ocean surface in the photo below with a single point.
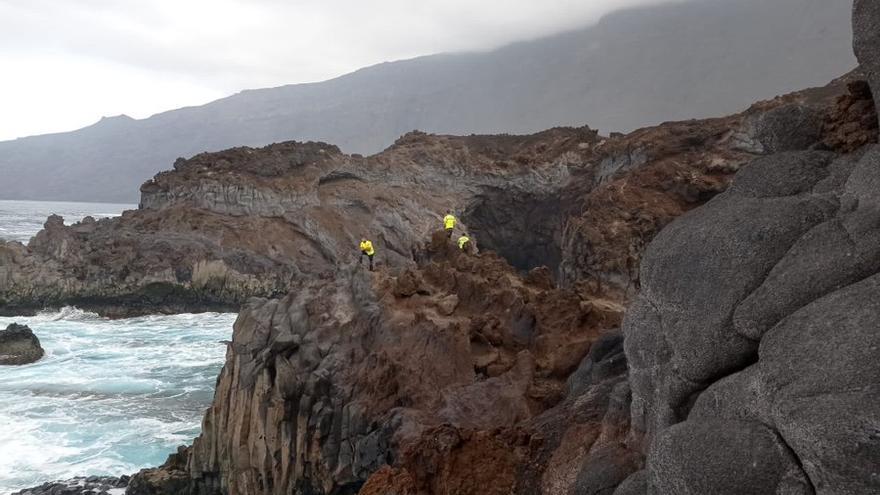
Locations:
(20, 220)
(111, 396)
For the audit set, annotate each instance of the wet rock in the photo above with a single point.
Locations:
(19, 345)
(91, 485)
(169, 479)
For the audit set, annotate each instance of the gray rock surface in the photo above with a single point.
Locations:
(19, 345)
(723, 457)
(753, 348)
(635, 484)
(718, 254)
(794, 126)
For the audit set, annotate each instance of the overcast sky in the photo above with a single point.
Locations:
(66, 63)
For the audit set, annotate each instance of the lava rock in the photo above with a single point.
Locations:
(723, 457)
(793, 126)
(81, 485)
(866, 40)
(19, 345)
(754, 347)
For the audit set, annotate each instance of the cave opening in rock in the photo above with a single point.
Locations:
(524, 228)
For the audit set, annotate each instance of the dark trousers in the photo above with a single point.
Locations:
(449, 233)
(370, 256)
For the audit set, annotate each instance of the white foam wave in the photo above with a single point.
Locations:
(69, 313)
(110, 397)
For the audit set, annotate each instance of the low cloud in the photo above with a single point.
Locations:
(129, 56)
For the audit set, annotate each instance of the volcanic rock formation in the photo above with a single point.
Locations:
(749, 363)
(753, 347)
(19, 345)
(91, 485)
(454, 374)
(223, 227)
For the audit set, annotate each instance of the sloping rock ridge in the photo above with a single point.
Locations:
(223, 227)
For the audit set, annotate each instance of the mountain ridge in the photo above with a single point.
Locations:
(634, 68)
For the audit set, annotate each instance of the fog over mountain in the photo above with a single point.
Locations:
(634, 68)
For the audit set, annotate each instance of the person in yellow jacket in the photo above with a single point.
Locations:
(368, 251)
(449, 223)
(464, 243)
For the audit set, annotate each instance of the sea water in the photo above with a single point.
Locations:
(20, 220)
(111, 396)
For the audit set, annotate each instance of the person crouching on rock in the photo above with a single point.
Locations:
(449, 223)
(464, 243)
(368, 251)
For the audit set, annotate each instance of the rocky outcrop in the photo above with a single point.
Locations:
(83, 485)
(223, 227)
(456, 375)
(19, 345)
(169, 478)
(648, 178)
(853, 124)
(505, 372)
(752, 347)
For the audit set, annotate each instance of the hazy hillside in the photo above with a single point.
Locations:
(634, 68)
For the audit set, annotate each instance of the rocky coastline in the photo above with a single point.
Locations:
(687, 309)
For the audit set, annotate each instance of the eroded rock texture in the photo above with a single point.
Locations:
(226, 226)
(753, 347)
(455, 376)
(749, 363)
(223, 227)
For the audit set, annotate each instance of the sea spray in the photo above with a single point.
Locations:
(109, 397)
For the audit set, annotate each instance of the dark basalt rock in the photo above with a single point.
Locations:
(91, 485)
(19, 345)
(753, 347)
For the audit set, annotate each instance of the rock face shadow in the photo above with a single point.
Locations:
(524, 228)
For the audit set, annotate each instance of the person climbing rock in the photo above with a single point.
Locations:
(368, 251)
(449, 223)
(464, 243)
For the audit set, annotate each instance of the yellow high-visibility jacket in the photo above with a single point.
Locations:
(462, 241)
(367, 248)
(449, 221)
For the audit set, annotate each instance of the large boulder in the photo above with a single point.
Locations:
(19, 345)
(753, 348)
(680, 334)
(794, 126)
